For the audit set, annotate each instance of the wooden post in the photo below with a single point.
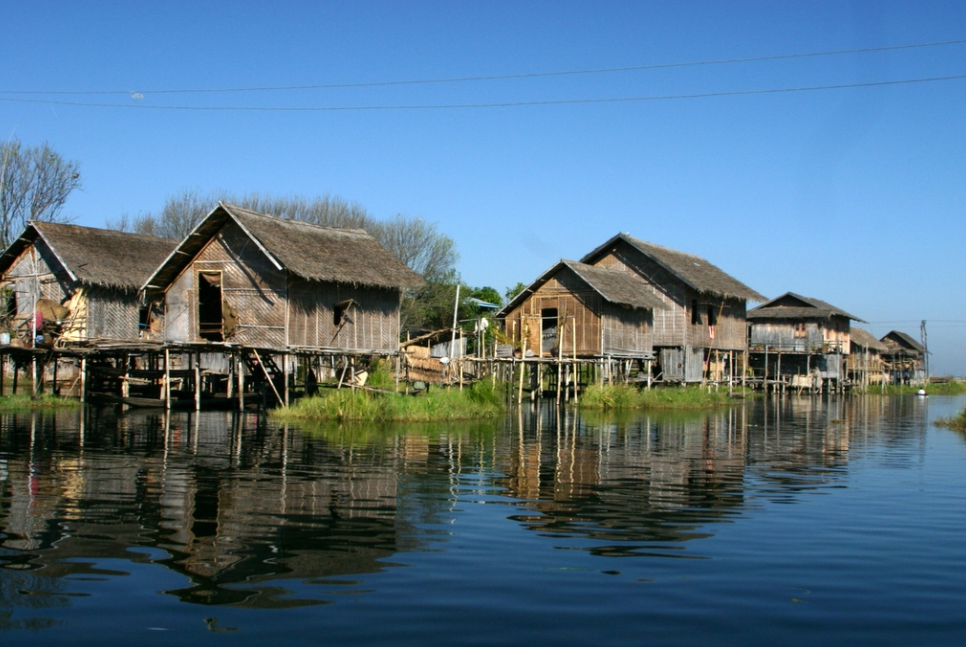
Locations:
(560, 368)
(285, 378)
(16, 376)
(197, 361)
(230, 382)
(523, 366)
(34, 370)
(3, 366)
(126, 384)
(54, 386)
(240, 374)
(648, 375)
(83, 380)
(167, 379)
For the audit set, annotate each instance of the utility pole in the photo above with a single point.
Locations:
(925, 350)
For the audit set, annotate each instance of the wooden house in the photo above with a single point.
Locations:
(904, 359)
(252, 280)
(605, 312)
(864, 364)
(801, 335)
(86, 278)
(701, 329)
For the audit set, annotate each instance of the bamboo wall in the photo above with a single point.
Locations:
(819, 335)
(601, 328)
(251, 285)
(274, 310)
(371, 323)
(672, 326)
(109, 313)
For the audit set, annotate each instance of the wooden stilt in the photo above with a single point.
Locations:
(240, 374)
(285, 379)
(197, 362)
(167, 379)
(83, 380)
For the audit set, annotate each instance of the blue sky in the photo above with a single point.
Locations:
(855, 195)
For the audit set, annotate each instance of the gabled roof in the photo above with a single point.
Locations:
(861, 337)
(693, 270)
(615, 286)
(795, 306)
(896, 338)
(90, 256)
(308, 251)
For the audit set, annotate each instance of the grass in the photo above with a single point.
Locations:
(477, 401)
(23, 402)
(625, 396)
(945, 388)
(957, 422)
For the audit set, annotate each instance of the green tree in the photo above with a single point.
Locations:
(511, 292)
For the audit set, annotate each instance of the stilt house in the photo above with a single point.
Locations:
(262, 282)
(800, 334)
(604, 312)
(702, 330)
(86, 278)
(904, 358)
(865, 365)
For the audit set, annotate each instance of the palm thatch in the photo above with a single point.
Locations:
(308, 251)
(795, 306)
(94, 257)
(693, 270)
(615, 286)
(862, 338)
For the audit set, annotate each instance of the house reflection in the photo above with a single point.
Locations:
(238, 506)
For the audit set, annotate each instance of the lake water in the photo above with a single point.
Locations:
(780, 522)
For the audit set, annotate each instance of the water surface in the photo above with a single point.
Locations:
(793, 522)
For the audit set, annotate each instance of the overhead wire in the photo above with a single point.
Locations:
(501, 77)
(501, 104)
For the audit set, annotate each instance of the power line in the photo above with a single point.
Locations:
(504, 104)
(500, 77)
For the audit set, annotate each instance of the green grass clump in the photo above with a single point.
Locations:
(477, 401)
(24, 402)
(953, 387)
(626, 396)
(957, 422)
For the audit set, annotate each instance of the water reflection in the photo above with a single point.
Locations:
(236, 505)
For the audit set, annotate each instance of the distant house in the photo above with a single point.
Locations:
(262, 282)
(904, 358)
(864, 364)
(801, 334)
(85, 277)
(605, 312)
(701, 331)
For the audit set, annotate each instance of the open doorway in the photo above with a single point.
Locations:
(210, 325)
(548, 329)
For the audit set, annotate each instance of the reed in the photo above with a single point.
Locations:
(625, 396)
(24, 402)
(477, 401)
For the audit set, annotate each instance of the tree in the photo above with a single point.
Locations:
(35, 182)
(515, 290)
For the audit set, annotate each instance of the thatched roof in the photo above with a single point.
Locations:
(900, 341)
(861, 337)
(693, 270)
(615, 286)
(308, 251)
(99, 257)
(795, 306)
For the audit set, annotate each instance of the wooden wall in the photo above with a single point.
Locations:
(251, 285)
(371, 323)
(274, 310)
(672, 326)
(601, 328)
(819, 335)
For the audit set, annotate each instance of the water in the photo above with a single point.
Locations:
(794, 522)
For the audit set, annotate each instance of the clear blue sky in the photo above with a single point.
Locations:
(855, 196)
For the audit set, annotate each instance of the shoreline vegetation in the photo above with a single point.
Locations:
(24, 402)
(626, 396)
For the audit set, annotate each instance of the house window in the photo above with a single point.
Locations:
(712, 316)
(800, 330)
(340, 312)
(695, 313)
